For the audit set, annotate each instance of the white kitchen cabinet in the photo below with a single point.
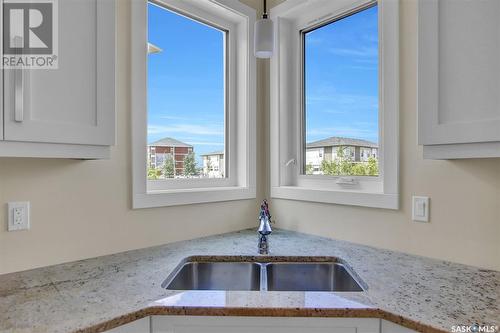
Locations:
(69, 111)
(192, 324)
(459, 78)
(390, 327)
(138, 326)
(1, 74)
(195, 324)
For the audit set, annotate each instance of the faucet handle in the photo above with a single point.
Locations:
(264, 209)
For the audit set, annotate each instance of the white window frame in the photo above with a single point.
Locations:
(291, 18)
(240, 138)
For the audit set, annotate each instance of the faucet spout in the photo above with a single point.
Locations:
(263, 245)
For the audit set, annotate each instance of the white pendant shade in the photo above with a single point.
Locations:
(264, 38)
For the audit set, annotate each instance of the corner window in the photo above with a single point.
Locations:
(336, 141)
(193, 102)
(186, 93)
(341, 94)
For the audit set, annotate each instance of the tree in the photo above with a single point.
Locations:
(345, 161)
(329, 167)
(169, 167)
(154, 173)
(359, 169)
(190, 165)
(343, 165)
(309, 169)
(209, 168)
(372, 166)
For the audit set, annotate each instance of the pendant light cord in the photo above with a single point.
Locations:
(264, 15)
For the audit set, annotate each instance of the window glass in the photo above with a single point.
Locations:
(186, 96)
(341, 103)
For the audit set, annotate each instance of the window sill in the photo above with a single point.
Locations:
(341, 197)
(177, 197)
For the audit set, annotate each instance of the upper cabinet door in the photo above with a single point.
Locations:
(459, 72)
(1, 74)
(74, 104)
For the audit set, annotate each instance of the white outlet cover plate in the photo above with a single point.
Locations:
(24, 208)
(420, 209)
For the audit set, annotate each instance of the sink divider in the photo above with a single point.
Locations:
(263, 277)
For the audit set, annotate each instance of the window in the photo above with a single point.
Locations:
(186, 92)
(340, 61)
(337, 140)
(193, 102)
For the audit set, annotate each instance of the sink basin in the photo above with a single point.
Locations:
(310, 277)
(262, 273)
(215, 276)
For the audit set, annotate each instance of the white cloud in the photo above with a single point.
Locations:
(334, 111)
(204, 143)
(347, 131)
(314, 40)
(321, 95)
(186, 129)
(369, 52)
(367, 61)
(365, 68)
(201, 119)
(174, 118)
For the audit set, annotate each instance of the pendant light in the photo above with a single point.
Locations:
(264, 36)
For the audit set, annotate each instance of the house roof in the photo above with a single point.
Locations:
(336, 141)
(218, 152)
(169, 142)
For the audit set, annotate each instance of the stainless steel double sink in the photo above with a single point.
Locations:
(264, 274)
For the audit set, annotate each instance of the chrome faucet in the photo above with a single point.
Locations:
(264, 228)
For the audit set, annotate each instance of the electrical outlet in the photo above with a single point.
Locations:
(19, 215)
(420, 209)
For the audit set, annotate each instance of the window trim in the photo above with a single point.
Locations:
(286, 109)
(238, 19)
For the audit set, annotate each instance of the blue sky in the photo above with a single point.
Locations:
(185, 80)
(342, 78)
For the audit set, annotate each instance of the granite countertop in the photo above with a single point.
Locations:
(101, 293)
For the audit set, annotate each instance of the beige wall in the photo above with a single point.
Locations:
(82, 209)
(465, 195)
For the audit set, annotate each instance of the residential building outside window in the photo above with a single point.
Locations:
(323, 155)
(169, 152)
(213, 164)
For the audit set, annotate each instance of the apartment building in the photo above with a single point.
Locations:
(160, 150)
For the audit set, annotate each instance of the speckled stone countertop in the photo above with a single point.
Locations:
(98, 294)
